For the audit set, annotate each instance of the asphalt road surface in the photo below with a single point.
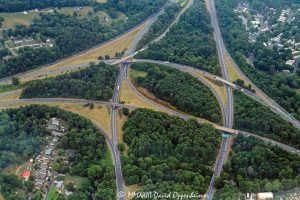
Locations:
(223, 152)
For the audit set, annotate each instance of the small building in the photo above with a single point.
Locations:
(43, 171)
(52, 127)
(48, 151)
(55, 139)
(39, 183)
(57, 134)
(290, 62)
(54, 121)
(59, 184)
(41, 176)
(265, 196)
(26, 175)
(68, 193)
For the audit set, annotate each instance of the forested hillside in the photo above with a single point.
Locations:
(189, 42)
(256, 118)
(21, 5)
(95, 83)
(22, 133)
(9, 185)
(168, 154)
(180, 89)
(71, 34)
(259, 167)
(282, 88)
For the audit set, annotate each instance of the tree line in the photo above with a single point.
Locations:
(180, 89)
(94, 83)
(168, 154)
(189, 42)
(22, 5)
(255, 166)
(254, 117)
(90, 150)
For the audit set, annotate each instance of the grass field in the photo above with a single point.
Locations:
(129, 97)
(76, 180)
(207, 5)
(13, 19)
(83, 12)
(233, 73)
(101, 116)
(131, 189)
(70, 10)
(11, 96)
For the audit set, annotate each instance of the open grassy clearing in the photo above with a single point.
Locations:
(134, 74)
(100, 115)
(131, 189)
(13, 19)
(84, 12)
(129, 97)
(233, 73)
(207, 5)
(77, 180)
(13, 96)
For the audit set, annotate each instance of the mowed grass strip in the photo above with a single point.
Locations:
(110, 49)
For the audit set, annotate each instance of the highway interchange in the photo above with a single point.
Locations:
(227, 109)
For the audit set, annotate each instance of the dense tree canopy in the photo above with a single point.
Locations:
(168, 154)
(190, 41)
(282, 88)
(254, 117)
(259, 167)
(180, 89)
(24, 129)
(21, 5)
(9, 184)
(95, 83)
